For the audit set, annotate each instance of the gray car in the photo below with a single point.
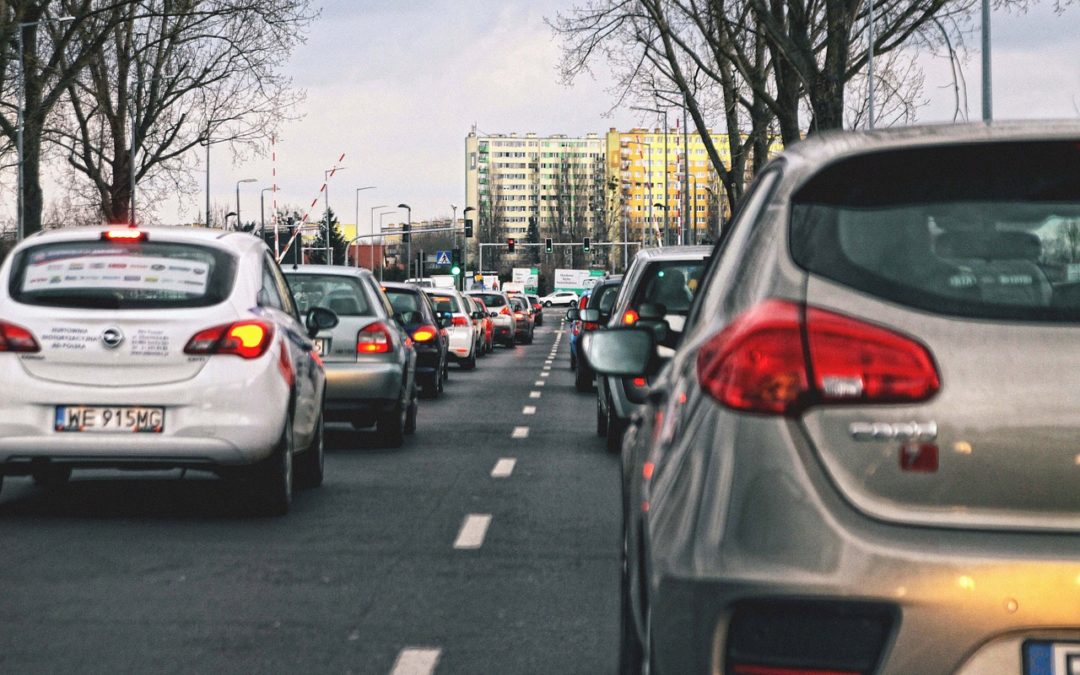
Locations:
(863, 457)
(369, 359)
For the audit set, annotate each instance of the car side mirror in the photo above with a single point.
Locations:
(478, 315)
(590, 315)
(493, 314)
(319, 319)
(573, 314)
(620, 351)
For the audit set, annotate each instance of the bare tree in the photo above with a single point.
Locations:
(52, 53)
(175, 74)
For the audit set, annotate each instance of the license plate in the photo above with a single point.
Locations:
(138, 419)
(1042, 657)
(322, 345)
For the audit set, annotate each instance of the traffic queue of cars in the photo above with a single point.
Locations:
(188, 348)
(855, 450)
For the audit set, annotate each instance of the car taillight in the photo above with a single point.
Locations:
(425, 333)
(519, 315)
(629, 317)
(125, 235)
(505, 311)
(246, 339)
(460, 320)
(589, 325)
(374, 339)
(780, 357)
(17, 339)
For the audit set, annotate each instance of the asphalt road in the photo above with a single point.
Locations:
(388, 568)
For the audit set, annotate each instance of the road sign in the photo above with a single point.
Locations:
(442, 257)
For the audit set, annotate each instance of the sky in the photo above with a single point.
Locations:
(396, 86)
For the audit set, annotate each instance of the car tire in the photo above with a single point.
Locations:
(469, 363)
(615, 428)
(390, 426)
(547, 304)
(583, 380)
(410, 418)
(573, 361)
(601, 420)
(631, 651)
(309, 464)
(52, 477)
(272, 478)
(528, 338)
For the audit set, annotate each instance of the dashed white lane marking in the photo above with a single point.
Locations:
(528, 410)
(547, 367)
(534, 394)
(520, 432)
(416, 661)
(504, 467)
(539, 383)
(473, 530)
(548, 362)
(545, 374)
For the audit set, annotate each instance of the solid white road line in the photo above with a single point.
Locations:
(472, 531)
(520, 432)
(534, 394)
(504, 467)
(528, 410)
(416, 661)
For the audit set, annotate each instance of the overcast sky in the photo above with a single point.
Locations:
(395, 87)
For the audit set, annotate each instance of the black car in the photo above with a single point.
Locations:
(601, 299)
(414, 311)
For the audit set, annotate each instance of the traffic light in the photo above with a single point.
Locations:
(455, 262)
(548, 245)
(406, 233)
(585, 244)
(510, 245)
(468, 227)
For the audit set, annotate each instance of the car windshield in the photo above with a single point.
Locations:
(343, 295)
(1000, 238)
(115, 275)
(671, 283)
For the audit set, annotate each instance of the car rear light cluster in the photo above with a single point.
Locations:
(425, 333)
(505, 311)
(17, 339)
(589, 325)
(781, 357)
(812, 637)
(519, 315)
(460, 320)
(246, 339)
(374, 339)
(125, 235)
(630, 317)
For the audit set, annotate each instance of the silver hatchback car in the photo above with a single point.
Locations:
(158, 348)
(863, 458)
(369, 357)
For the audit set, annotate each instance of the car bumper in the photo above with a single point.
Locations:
(363, 381)
(232, 413)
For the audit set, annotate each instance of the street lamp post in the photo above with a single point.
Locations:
(19, 114)
(382, 254)
(453, 236)
(356, 219)
(408, 240)
(372, 245)
(240, 223)
(329, 252)
(262, 211)
(663, 240)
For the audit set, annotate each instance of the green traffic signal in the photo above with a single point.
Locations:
(455, 270)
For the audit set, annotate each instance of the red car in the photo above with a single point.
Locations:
(488, 325)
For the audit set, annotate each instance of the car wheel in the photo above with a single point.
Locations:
(272, 479)
(601, 420)
(547, 304)
(583, 380)
(469, 363)
(573, 361)
(615, 428)
(309, 464)
(410, 418)
(52, 477)
(631, 651)
(391, 426)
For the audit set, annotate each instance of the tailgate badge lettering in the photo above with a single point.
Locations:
(887, 431)
(112, 337)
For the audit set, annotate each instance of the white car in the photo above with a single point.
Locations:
(566, 298)
(460, 328)
(155, 349)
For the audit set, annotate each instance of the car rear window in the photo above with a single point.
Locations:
(445, 303)
(603, 297)
(129, 275)
(980, 230)
(340, 294)
(491, 299)
(403, 301)
(671, 283)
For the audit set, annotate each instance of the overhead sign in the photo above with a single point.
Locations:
(576, 280)
(442, 257)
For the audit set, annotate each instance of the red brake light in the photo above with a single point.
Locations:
(425, 333)
(505, 310)
(589, 325)
(374, 339)
(759, 364)
(460, 320)
(17, 339)
(519, 315)
(127, 234)
(246, 339)
(629, 317)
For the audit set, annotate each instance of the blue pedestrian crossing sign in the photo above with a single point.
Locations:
(442, 257)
